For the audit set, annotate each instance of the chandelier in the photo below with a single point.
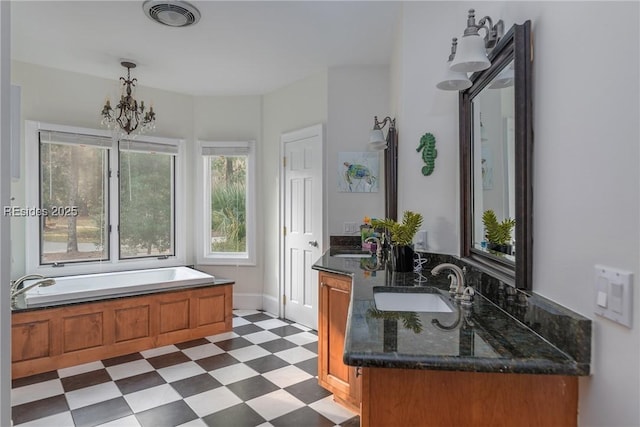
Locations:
(128, 116)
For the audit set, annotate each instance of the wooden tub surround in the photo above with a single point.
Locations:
(58, 337)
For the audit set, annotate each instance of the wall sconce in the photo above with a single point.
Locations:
(472, 52)
(377, 141)
(389, 145)
(454, 80)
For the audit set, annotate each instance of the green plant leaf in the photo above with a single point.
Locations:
(401, 233)
(498, 233)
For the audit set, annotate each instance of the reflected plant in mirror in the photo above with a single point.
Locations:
(496, 141)
(497, 233)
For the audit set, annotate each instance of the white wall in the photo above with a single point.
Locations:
(296, 106)
(235, 118)
(586, 163)
(425, 42)
(356, 95)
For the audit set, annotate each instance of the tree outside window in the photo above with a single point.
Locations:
(228, 175)
(146, 204)
(226, 208)
(73, 197)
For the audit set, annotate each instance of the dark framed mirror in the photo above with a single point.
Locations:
(496, 150)
(391, 173)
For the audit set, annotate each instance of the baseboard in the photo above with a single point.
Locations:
(271, 304)
(247, 301)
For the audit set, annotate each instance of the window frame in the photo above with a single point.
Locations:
(174, 162)
(104, 145)
(114, 263)
(204, 255)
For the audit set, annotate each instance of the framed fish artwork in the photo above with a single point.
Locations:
(358, 172)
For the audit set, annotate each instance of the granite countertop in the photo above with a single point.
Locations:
(20, 304)
(481, 338)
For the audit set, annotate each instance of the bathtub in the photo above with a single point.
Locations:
(89, 287)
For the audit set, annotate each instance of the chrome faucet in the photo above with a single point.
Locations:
(462, 292)
(16, 283)
(378, 245)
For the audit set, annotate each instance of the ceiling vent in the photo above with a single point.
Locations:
(174, 13)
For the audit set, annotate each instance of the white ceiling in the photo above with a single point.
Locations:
(237, 48)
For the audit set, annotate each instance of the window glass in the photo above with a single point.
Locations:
(228, 176)
(95, 203)
(146, 203)
(227, 206)
(73, 198)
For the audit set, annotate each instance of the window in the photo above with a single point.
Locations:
(146, 199)
(100, 201)
(228, 216)
(74, 176)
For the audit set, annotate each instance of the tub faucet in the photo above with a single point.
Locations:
(15, 291)
(461, 291)
(15, 284)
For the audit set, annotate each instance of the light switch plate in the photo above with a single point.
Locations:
(351, 227)
(614, 294)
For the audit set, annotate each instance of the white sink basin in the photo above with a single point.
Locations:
(361, 255)
(411, 301)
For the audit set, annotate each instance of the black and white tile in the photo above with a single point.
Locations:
(264, 373)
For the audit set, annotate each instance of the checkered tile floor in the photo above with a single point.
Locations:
(261, 374)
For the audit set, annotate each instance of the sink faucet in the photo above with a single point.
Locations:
(462, 292)
(16, 283)
(378, 245)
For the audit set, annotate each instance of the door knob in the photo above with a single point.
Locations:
(313, 243)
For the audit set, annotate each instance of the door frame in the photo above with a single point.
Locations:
(286, 137)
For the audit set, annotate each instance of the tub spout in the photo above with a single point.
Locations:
(43, 282)
(15, 284)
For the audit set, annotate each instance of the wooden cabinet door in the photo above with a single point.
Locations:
(333, 374)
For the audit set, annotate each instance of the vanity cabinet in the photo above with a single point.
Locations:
(342, 380)
(428, 398)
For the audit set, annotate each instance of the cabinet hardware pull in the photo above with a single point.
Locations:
(358, 372)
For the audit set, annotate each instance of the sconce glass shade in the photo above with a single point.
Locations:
(376, 140)
(471, 55)
(454, 80)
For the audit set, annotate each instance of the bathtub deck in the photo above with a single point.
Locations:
(54, 338)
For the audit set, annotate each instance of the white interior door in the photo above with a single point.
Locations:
(303, 223)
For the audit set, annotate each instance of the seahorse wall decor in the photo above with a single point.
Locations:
(429, 153)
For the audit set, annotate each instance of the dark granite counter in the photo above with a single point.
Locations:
(485, 337)
(20, 304)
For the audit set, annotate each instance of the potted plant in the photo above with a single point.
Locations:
(401, 236)
(498, 234)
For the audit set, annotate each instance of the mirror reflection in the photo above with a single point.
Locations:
(496, 151)
(493, 134)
